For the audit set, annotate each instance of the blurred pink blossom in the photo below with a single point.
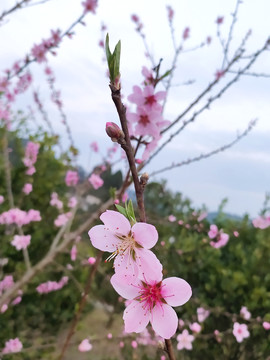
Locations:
(85, 346)
(184, 340)
(96, 181)
(27, 188)
(72, 178)
(12, 346)
(240, 331)
(21, 241)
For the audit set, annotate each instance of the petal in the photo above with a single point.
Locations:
(135, 317)
(116, 222)
(164, 320)
(125, 265)
(176, 291)
(102, 238)
(127, 286)
(149, 266)
(145, 234)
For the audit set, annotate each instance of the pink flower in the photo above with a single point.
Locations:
(266, 325)
(62, 219)
(27, 188)
(202, 314)
(73, 253)
(170, 13)
(195, 327)
(109, 336)
(261, 222)
(222, 240)
(240, 331)
(96, 181)
(151, 300)
(85, 346)
(184, 340)
(90, 6)
(146, 122)
(72, 178)
(129, 245)
(4, 308)
(147, 97)
(91, 260)
(212, 233)
(94, 146)
(202, 216)
(124, 197)
(134, 344)
(186, 33)
(148, 75)
(17, 300)
(21, 241)
(2, 199)
(171, 218)
(245, 313)
(236, 233)
(55, 201)
(6, 283)
(12, 346)
(72, 202)
(38, 52)
(31, 152)
(219, 74)
(49, 286)
(220, 20)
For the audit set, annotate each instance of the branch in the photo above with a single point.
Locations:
(127, 147)
(211, 153)
(208, 103)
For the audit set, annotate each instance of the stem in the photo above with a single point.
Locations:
(138, 184)
(7, 170)
(169, 349)
(127, 147)
(82, 303)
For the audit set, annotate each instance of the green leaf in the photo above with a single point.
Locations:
(113, 59)
(121, 210)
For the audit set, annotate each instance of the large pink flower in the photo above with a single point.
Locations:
(129, 245)
(151, 301)
(147, 97)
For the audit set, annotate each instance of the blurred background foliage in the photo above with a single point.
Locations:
(223, 280)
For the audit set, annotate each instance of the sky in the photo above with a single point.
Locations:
(241, 173)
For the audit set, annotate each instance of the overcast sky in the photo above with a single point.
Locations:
(241, 173)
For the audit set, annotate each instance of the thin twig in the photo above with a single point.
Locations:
(209, 154)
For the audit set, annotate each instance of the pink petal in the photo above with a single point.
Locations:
(135, 317)
(126, 286)
(103, 239)
(145, 234)
(176, 291)
(149, 266)
(116, 222)
(164, 320)
(125, 265)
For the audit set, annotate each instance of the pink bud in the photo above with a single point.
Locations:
(114, 131)
(91, 260)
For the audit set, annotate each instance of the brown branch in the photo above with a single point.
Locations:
(82, 303)
(127, 147)
(169, 349)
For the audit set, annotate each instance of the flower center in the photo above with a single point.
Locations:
(126, 244)
(144, 120)
(150, 295)
(150, 100)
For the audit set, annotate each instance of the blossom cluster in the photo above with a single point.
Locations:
(220, 237)
(30, 158)
(147, 121)
(19, 217)
(138, 274)
(49, 286)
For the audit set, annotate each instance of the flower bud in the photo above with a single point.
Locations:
(114, 132)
